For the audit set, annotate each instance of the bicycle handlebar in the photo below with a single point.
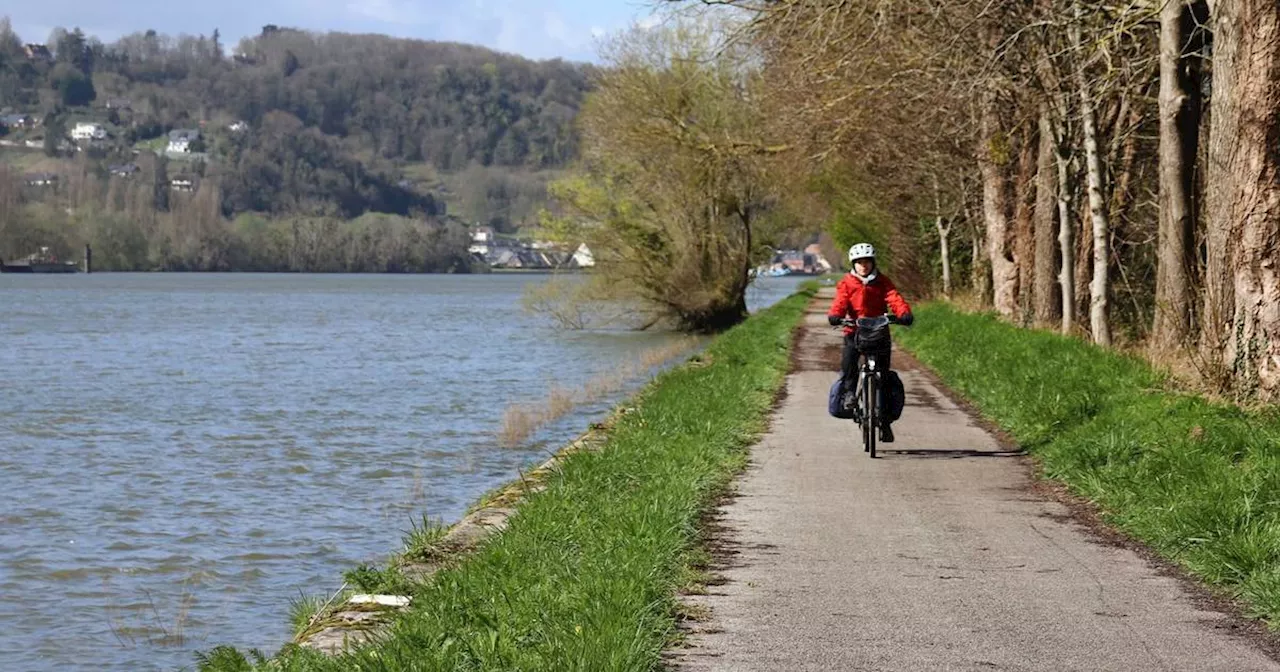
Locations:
(868, 322)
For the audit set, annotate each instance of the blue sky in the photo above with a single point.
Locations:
(533, 28)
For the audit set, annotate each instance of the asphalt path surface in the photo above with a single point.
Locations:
(941, 555)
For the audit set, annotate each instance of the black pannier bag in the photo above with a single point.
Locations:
(895, 396)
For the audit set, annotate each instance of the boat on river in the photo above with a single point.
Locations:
(40, 262)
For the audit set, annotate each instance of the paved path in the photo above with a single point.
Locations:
(937, 557)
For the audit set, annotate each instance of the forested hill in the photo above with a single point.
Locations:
(379, 108)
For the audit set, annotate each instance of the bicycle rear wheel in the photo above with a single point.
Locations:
(870, 415)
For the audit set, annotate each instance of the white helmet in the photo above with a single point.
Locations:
(861, 251)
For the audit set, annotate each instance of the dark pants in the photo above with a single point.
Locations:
(849, 361)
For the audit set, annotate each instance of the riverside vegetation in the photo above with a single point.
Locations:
(1109, 169)
(587, 573)
(300, 133)
(1193, 479)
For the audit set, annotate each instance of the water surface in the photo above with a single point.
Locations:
(182, 455)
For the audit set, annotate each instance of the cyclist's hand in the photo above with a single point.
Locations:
(906, 319)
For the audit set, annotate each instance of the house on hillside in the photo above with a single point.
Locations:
(88, 131)
(183, 183)
(125, 170)
(796, 262)
(118, 104)
(482, 241)
(40, 179)
(582, 257)
(820, 262)
(17, 121)
(37, 52)
(238, 126)
(180, 140)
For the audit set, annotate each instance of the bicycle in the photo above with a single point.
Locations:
(872, 336)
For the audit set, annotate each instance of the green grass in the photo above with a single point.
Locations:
(303, 610)
(422, 542)
(586, 575)
(1199, 482)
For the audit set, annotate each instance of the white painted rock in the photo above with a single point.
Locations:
(384, 600)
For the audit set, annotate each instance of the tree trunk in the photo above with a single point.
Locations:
(944, 249)
(1024, 228)
(1066, 226)
(1046, 301)
(1179, 124)
(1067, 247)
(944, 238)
(1244, 196)
(995, 213)
(1084, 253)
(980, 274)
(1098, 318)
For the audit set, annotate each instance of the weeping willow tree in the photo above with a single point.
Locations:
(672, 192)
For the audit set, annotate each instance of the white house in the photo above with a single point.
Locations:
(180, 140)
(88, 131)
(582, 257)
(481, 241)
(238, 127)
(42, 179)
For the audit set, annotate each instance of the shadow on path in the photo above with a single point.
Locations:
(955, 454)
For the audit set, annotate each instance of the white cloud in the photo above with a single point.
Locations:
(386, 11)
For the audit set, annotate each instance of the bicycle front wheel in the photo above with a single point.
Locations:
(870, 416)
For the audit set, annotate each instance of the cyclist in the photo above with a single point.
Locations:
(865, 292)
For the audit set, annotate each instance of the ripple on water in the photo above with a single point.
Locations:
(227, 459)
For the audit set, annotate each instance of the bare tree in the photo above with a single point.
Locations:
(674, 181)
(1099, 287)
(992, 162)
(1179, 126)
(1046, 302)
(1242, 312)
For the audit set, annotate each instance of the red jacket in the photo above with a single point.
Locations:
(857, 299)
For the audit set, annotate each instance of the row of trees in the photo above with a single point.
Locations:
(141, 224)
(1110, 169)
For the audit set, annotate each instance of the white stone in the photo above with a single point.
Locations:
(384, 600)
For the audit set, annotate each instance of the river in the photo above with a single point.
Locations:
(184, 454)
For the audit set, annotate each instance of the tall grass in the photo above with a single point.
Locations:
(521, 420)
(584, 577)
(1197, 481)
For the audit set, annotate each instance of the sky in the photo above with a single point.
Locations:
(533, 28)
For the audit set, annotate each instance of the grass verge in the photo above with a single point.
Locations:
(1198, 482)
(585, 576)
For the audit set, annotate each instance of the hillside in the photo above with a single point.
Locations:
(388, 115)
(182, 139)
